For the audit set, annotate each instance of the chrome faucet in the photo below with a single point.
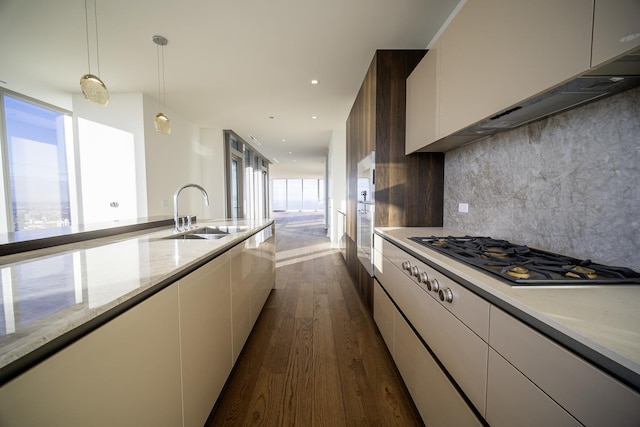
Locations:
(176, 226)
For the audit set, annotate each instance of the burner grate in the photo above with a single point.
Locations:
(522, 265)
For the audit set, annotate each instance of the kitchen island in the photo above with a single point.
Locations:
(589, 336)
(57, 299)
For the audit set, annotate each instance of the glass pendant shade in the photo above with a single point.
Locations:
(163, 125)
(94, 89)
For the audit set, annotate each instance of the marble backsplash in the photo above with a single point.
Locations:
(568, 184)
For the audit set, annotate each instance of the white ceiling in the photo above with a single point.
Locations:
(230, 64)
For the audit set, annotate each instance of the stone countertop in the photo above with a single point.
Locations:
(53, 296)
(600, 323)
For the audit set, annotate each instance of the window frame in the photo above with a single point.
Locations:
(4, 154)
(255, 174)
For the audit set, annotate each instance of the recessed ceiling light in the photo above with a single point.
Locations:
(284, 140)
(314, 117)
(272, 117)
(290, 152)
(314, 82)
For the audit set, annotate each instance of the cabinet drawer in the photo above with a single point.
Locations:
(435, 397)
(460, 350)
(390, 251)
(513, 400)
(383, 315)
(472, 310)
(385, 271)
(591, 396)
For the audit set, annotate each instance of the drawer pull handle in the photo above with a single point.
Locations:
(446, 295)
(433, 285)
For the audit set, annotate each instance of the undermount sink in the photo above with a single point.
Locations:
(211, 232)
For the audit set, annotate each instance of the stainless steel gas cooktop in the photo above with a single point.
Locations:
(521, 265)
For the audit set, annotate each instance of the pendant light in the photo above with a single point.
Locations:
(92, 87)
(163, 125)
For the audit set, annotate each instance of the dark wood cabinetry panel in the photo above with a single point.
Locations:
(409, 189)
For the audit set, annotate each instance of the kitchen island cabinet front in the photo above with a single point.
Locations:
(205, 338)
(125, 373)
(162, 357)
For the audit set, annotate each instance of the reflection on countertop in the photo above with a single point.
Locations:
(51, 292)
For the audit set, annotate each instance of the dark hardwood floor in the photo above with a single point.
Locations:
(315, 356)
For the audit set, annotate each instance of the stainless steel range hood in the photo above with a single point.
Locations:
(615, 77)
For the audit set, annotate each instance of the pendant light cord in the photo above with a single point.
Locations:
(162, 96)
(164, 88)
(160, 107)
(86, 23)
(161, 80)
(95, 17)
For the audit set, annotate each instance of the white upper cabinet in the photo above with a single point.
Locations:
(422, 102)
(616, 29)
(496, 53)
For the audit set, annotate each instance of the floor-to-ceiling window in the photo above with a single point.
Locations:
(36, 144)
(279, 194)
(296, 194)
(51, 179)
(247, 173)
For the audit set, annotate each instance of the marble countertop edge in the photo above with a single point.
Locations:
(51, 334)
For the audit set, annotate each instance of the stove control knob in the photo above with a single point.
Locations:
(433, 285)
(423, 277)
(406, 265)
(414, 271)
(446, 295)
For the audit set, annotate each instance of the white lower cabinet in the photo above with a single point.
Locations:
(125, 373)
(437, 400)
(242, 272)
(265, 271)
(205, 323)
(161, 363)
(513, 400)
(512, 374)
(460, 350)
(383, 314)
(587, 393)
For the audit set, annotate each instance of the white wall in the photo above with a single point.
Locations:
(180, 158)
(211, 149)
(337, 181)
(312, 170)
